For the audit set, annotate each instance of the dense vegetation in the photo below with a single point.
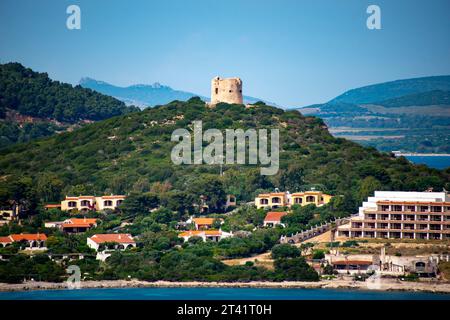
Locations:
(51, 104)
(131, 155)
(430, 98)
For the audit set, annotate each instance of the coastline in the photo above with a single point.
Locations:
(384, 285)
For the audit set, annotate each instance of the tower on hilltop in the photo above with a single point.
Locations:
(227, 90)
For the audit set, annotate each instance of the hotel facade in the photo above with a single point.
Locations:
(285, 199)
(401, 215)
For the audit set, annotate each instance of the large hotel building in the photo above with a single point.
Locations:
(401, 215)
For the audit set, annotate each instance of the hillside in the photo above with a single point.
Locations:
(32, 105)
(429, 98)
(144, 95)
(392, 115)
(131, 153)
(393, 89)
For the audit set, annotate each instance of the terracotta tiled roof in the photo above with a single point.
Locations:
(274, 216)
(207, 221)
(5, 240)
(80, 197)
(192, 233)
(112, 237)
(82, 221)
(114, 197)
(28, 236)
(273, 194)
(76, 225)
(52, 206)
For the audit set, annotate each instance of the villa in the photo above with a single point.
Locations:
(73, 225)
(88, 203)
(274, 218)
(213, 235)
(113, 241)
(33, 241)
(286, 199)
(204, 223)
(401, 215)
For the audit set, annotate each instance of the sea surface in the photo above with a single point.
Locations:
(218, 294)
(438, 162)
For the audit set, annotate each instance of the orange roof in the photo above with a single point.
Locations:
(76, 225)
(274, 216)
(200, 232)
(112, 237)
(113, 197)
(203, 220)
(82, 221)
(273, 194)
(5, 240)
(80, 197)
(52, 206)
(28, 236)
(307, 193)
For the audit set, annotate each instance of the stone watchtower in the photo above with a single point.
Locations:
(227, 90)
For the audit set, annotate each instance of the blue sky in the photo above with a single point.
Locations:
(294, 52)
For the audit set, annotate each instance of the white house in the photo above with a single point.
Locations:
(121, 241)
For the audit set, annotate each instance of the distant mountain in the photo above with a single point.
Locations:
(144, 95)
(393, 89)
(139, 94)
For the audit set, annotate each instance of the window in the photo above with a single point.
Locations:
(107, 203)
(217, 90)
(276, 200)
(309, 199)
(264, 201)
(72, 204)
(85, 203)
(119, 202)
(298, 200)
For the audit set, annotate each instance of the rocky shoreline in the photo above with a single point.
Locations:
(383, 285)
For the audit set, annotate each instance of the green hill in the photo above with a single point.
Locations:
(32, 105)
(131, 153)
(393, 89)
(430, 98)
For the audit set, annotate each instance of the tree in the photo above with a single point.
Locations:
(368, 186)
(285, 251)
(139, 203)
(294, 269)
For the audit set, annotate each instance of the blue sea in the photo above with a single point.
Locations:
(438, 162)
(218, 294)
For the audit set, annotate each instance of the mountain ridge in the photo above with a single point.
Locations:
(393, 89)
(149, 95)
